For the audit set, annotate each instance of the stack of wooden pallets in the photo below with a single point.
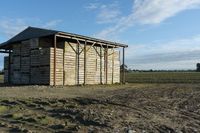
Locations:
(29, 64)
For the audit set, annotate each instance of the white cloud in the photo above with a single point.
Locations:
(92, 6)
(10, 27)
(176, 54)
(149, 12)
(156, 11)
(106, 13)
(51, 23)
(107, 16)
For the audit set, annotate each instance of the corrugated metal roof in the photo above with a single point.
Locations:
(33, 32)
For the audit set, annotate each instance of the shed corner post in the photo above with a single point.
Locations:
(106, 63)
(55, 41)
(123, 66)
(78, 63)
(85, 62)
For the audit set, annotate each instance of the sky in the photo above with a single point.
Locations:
(161, 34)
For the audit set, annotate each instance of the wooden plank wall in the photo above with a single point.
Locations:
(70, 59)
(67, 65)
(59, 66)
(99, 64)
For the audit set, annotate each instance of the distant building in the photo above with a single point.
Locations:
(41, 56)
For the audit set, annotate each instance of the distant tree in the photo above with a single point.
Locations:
(198, 67)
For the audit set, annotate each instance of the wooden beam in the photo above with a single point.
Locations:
(64, 64)
(89, 41)
(106, 64)
(85, 62)
(80, 44)
(78, 63)
(123, 66)
(113, 55)
(101, 66)
(55, 60)
(90, 46)
(97, 51)
(73, 48)
(5, 51)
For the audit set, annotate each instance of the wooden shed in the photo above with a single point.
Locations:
(42, 56)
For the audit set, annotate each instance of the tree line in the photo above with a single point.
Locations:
(151, 70)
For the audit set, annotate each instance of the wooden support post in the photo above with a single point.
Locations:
(64, 64)
(113, 55)
(106, 63)
(123, 66)
(85, 61)
(9, 68)
(78, 63)
(54, 78)
(101, 66)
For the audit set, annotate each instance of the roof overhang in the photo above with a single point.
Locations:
(90, 39)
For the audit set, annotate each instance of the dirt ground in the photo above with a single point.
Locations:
(131, 108)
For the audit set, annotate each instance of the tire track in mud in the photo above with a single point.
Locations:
(158, 110)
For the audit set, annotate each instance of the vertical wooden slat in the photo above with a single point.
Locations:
(54, 60)
(85, 62)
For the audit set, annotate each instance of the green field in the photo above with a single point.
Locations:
(163, 77)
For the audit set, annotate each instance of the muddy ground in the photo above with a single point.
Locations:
(156, 108)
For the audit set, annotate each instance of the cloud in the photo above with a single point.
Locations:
(10, 27)
(52, 23)
(106, 13)
(169, 55)
(178, 65)
(149, 12)
(92, 6)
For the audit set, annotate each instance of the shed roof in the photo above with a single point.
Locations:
(33, 32)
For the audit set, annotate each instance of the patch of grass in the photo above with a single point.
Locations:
(46, 120)
(17, 115)
(3, 109)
